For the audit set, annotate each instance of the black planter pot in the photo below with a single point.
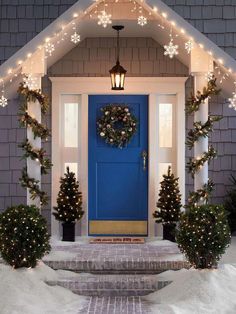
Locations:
(68, 231)
(169, 232)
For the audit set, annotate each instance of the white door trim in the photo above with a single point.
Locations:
(85, 86)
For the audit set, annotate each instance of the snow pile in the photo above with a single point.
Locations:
(24, 291)
(196, 292)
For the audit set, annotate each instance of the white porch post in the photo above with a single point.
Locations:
(201, 146)
(33, 167)
(200, 64)
(36, 67)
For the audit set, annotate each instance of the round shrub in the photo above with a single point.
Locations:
(23, 236)
(204, 235)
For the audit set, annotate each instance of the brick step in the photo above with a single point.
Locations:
(111, 285)
(116, 305)
(117, 266)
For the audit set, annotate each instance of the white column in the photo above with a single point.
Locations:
(33, 167)
(201, 146)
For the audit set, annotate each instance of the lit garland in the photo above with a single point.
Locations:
(37, 155)
(195, 164)
(200, 194)
(201, 130)
(39, 130)
(194, 102)
(28, 95)
(33, 186)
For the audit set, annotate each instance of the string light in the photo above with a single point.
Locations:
(209, 76)
(189, 46)
(50, 47)
(75, 37)
(3, 99)
(142, 20)
(171, 50)
(30, 81)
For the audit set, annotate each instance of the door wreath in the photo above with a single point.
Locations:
(117, 125)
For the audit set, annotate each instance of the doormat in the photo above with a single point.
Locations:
(118, 240)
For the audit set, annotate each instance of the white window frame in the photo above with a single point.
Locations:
(154, 87)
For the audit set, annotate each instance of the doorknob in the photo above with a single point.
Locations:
(144, 156)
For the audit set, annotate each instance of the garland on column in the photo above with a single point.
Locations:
(37, 155)
(194, 102)
(200, 194)
(199, 131)
(39, 130)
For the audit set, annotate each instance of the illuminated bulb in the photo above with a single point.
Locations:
(164, 15)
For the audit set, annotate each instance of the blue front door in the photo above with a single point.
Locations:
(118, 179)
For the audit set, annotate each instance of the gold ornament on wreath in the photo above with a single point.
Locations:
(117, 125)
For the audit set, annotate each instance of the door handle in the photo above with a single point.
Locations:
(144, 156)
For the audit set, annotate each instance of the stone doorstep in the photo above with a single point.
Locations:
(111, 285)
(117, 266)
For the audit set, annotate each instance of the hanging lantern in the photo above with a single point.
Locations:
(117, 73)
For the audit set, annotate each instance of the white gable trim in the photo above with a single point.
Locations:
(156, 7)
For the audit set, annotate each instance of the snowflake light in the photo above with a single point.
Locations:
(171, 50)
(30, 81)
(232, 102)
(209, 76)
(3, 101)
(142, 20)
(49, 47)
(75, 38)
(104, 19)
(189, 46)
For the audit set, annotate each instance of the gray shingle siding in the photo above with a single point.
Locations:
(21, 20)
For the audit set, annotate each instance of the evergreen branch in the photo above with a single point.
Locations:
(201, 194)
(194, 102)
(194, 165)
(37, 155)
(38, 129)
(33, 186)
(201, 130)
(28, 95)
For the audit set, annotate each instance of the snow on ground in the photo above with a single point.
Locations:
(24, 291)
(198, 291)
(230, 255)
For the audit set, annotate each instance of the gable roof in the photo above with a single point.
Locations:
(88, 28)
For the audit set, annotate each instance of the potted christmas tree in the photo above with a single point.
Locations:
(69, 205)
(169, 205)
